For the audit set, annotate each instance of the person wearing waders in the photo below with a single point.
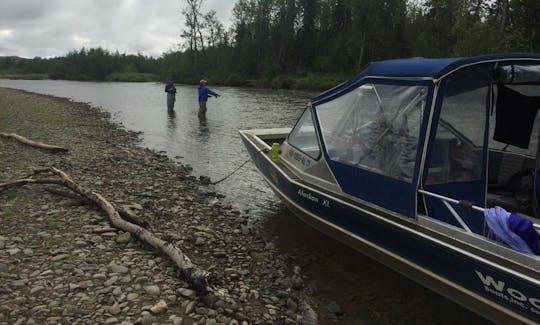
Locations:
(204, 93)
(171, 95)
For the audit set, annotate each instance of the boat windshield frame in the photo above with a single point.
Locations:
(297, 126)
(392, 193)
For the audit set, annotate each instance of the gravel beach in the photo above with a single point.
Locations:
(61, 262)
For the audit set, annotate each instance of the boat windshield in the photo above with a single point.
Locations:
(303, 137)
(375, 127)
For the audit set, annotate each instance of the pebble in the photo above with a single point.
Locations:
(146, 318)
(118, 268)
(176, 320)
(13, 251)
(96, 239)
(141, 280)
(132, 296)
(292, 305)
(80, 243)
(44, 234)
(297, 282)
(152, 290)
(18, 283)
(334, 308)
(136, 206)
(59, 257)
(115, 309)
(199, 241)
(253, 294)
(160, 307)
(99, 276)
(36, 289)
(188, 293)
(190, 307)
(112, 280)
(123, 238)
(117, 291)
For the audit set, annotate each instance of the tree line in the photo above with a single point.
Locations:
(308, 43)
(84, 64)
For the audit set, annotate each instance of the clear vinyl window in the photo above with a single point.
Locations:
(458, 148)
(375, 127)
(303, 136)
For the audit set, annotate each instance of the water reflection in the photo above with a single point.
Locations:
(172, 117)
(171, 125)
(203, 122)
(204, 130)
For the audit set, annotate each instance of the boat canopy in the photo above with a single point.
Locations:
(408, 124)
(419, 68)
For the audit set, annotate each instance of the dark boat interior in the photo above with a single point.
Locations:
(511, 179)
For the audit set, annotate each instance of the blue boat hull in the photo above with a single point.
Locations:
(473, 281)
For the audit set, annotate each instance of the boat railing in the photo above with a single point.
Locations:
(447, 201)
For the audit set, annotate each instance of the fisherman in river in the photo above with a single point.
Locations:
(170, 89)
(204, 93)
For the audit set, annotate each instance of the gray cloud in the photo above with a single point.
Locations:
(50, 28)
(23, 10)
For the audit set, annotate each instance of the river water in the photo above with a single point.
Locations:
(367, 291)
(213, 148)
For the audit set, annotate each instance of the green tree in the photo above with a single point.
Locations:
(284, 35)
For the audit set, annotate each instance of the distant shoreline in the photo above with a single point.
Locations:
(317, 82)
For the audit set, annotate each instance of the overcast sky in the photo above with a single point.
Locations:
(48, 28)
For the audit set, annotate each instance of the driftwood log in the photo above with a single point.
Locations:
(125, 214)
(34, 144)
(198, 278)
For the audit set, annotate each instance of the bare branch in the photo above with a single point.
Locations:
(34, 144)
